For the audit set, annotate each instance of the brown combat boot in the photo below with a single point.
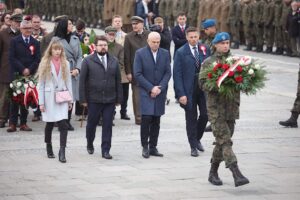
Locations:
(238, 177)
(24, 127)
(12, 128)
(213, 177)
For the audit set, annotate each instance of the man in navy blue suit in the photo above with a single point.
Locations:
(187, 64)
(24, 58)
(152, 72)
(178, 32)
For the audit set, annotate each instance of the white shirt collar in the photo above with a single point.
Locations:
(105, 59)
(192, 48)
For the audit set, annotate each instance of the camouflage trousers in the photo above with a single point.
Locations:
(223, 131)
(269, 36)
(235, 32)
(296, 107)
(278, 37)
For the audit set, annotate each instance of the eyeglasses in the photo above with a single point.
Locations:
(101, 45)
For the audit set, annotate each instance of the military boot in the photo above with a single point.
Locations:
(248, 48)
(213, 177)
(269, 50)
(279, 51)
(49, 150)
(259, 49)
(238, 177)
(291, 122)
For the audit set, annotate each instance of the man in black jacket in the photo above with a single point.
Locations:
(164, 32)
(100, 89)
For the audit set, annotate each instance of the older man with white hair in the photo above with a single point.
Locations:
(152, 72)
(24, 57)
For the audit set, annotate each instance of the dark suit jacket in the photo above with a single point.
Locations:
(21, 57)
(149, 74)
(140, 11)
(6, 36)
(179, 38)
(184, 71)
(98, 85)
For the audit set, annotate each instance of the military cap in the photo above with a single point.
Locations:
(110, 29)
(208, 23)
(221, 37)
(137, 19)
(58, 18)
(17, 17)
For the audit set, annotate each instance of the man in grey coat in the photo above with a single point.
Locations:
(152, 72)
(100, 89)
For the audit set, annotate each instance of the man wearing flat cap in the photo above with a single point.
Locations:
(6, 36)
(210, 30)
(222, 113)
(134, 40)
(24, 57)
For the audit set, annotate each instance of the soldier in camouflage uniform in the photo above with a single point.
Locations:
(286, 8)
(247, 23)
(222, 113)
(268, 17)
(210, 30)
(292, 121)
(234, 22)
(258, 9)
(278, 27)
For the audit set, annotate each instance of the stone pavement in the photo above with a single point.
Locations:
(269, 155)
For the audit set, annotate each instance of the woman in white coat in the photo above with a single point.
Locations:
(54, 75)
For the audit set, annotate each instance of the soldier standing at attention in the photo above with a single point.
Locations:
(248, 24)
(286, 8)
(258, 8)
(222, 113)
(234, 22)
(268, 18)
(210, 30)
(278, 27)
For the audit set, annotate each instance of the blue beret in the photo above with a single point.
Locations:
(208, 23)
(221, 37)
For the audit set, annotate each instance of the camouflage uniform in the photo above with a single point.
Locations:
(234, 21)
(222, 113)
(248, 24)
(268, 18)
(278, 27)
(193, 12)
(286, 8)
(296, 107)
(258, 9)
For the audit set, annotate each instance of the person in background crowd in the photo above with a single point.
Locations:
(38, 32)
(100, 91)
(24, 58)
(80, 30)
(6, 36)
(142, 11)
(178, 32)
(54, 75)
(117, 22)
(5, 21)
(293, 28)
(165, 35)
(210, 30)
(73, 53)
(152, 71)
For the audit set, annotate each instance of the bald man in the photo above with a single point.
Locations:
(152, 72)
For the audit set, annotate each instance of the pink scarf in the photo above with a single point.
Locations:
(56, 63)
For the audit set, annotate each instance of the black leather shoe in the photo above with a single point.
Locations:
(194, 152)
(106, 155)
(146, 153)
(70, 127)
(50, 153)
(125, 117)
(90, 149)
(200, 147)
(154, 152)
(61, 155)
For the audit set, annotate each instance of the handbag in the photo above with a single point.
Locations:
(63, 96)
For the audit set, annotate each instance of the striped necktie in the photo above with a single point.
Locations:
(196, 55)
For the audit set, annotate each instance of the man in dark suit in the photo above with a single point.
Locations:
(24, 58)
(187, 64)
(134, 41)
(6, 36)
(100, 90)
(178, 32)
(143, 11)
(152, 72)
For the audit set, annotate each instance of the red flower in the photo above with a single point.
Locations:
(218, 65)
(231, 74)
(225, 66)
(239, 68)
(239, 79)
(209, 75)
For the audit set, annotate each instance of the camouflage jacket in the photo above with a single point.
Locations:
(218, 106)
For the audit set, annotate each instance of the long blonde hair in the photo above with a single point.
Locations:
(44, 70)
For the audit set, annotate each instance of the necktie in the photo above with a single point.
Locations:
(103, 62)
(26, 40)
(182, 29)
(196, 55)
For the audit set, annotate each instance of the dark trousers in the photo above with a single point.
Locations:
(123, 110)
(150, 130)
(63, 129)
(195, 124)
(14, 112)
(95, 110)
(70, 114)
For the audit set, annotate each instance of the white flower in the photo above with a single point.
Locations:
(251, 71)
(18, 91)
(229, 59)
(214, 63)
(31, 84)
(235, 58)
(85, 55)
(26, 85)
(11, 85)
(15, 94)
(19, 84)
(256, 66)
